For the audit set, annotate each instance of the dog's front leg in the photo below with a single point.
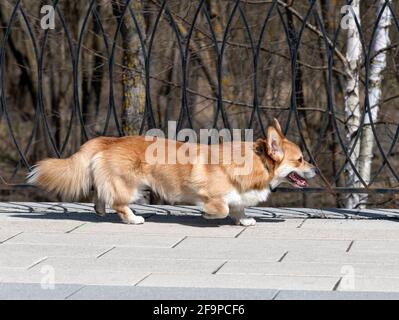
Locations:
(237, 213)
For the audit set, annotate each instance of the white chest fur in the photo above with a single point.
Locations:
(246, 199)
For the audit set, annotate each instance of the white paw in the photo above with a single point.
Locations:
(247, 222)
(133, 219)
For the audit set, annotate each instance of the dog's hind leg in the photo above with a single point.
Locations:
(99, 206)
(237, 213)
(116, 191)
(216, 209)
(127, 214)
(121, 200)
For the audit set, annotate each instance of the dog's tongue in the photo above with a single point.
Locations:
(298, 180)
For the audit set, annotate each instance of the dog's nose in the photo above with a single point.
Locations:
(316, 170)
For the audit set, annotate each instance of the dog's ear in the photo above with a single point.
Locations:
(278, 127)
(274, 141)
(260, 147)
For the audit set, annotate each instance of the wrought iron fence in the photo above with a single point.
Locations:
(276, 21)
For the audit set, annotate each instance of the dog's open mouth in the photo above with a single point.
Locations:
(297, 180)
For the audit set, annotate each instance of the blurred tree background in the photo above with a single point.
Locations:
(206, 64)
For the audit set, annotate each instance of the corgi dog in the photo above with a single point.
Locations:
(118, 169)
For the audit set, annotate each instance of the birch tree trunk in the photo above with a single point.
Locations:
(352, 101)
(378, 65)
(133, 74)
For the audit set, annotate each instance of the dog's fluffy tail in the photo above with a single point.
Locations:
(70, 178)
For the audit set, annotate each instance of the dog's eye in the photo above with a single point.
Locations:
(300, 159)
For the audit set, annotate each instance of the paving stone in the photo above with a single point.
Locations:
(182, 228)
(264, 223)
(261, 213)
(34, 207)
(245, 244)
(6, 207)
(49, 250)
(315, 234)
(177, 248)
(47, 274)
(37, 225)
(45, 207)
(308, 213)
(108, 239)
(6, 235)
(351, 224)
(383, 213)
(169, 210)
(240, 281)
(23, 260)
(287, 213)
(137, 265)
(159, 293)
(10, 272)
(317, 256)
(71, 206)
(377, 213)
(370, 284)
(60, 217)
(100, 292)
(26, 291)
(332, 213)
(201, 250)
(381, 246)
(357, 214)
(309, 269)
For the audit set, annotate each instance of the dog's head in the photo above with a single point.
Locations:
(289, 164)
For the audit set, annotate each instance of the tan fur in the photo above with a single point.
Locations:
(118, 170)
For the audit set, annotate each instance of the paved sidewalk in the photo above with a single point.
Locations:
(63, 250)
